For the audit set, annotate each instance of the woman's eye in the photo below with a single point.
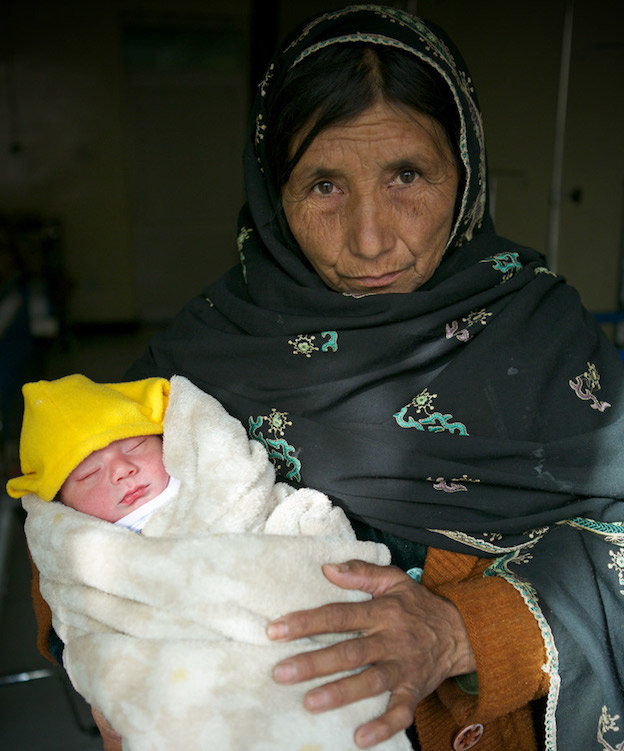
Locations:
(324, 188)
(407, 176)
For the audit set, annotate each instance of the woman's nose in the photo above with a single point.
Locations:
(370, 227)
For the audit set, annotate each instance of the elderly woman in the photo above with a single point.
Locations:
(438, 382)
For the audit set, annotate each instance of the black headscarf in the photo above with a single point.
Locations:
(482, 413)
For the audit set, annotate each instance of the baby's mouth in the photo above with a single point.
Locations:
(133, 495)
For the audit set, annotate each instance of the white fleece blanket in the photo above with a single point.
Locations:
(164, 632)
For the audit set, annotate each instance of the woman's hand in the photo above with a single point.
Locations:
(111, 739)
(410, 639)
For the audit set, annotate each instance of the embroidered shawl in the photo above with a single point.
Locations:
(482, 413)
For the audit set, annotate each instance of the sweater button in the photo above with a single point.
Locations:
(468, 737)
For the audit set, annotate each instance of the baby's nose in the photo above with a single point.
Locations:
(123, 468)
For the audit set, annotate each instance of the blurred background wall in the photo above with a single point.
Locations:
(123, 122)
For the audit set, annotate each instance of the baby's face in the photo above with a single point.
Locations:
(113, 481)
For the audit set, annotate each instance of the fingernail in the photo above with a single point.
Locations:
(340, 568)
(316, 700)
(277, 630)
(365, 738)
(285, 672)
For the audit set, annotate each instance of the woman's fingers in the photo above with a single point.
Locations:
(370, 682)
(340, 618)
(366, 577)
(345, 655)
(398, 716)
(336, 618)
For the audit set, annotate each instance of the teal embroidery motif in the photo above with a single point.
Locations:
(332, 341)
(415, 573)
(279, 450)
(607, 724)
(434, 422)
(611, 531)
(507, 263)
(586, 384)
(304, 344)
(472, 319)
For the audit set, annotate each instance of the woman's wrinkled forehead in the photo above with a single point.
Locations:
(337, 137)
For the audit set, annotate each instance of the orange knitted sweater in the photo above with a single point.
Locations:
(508, 649)
(509, 652)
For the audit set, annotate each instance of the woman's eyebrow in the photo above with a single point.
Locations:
(317, 173)
(412, 160)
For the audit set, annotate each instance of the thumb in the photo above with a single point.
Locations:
(366, 577)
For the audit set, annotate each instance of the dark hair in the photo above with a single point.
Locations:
(338, 83)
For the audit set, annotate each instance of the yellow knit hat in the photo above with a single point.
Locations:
(67, 419)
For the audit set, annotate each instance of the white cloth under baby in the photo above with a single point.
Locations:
(135, 520)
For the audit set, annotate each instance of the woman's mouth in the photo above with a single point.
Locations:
(372, 282)
(133, 495)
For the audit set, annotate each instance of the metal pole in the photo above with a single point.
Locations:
(556, 185)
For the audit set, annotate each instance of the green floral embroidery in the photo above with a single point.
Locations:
(277, 422)
(283, 454)
(434, 422)
(586, 384)
(304, 344)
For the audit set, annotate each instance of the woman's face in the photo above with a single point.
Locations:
(371, 201)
